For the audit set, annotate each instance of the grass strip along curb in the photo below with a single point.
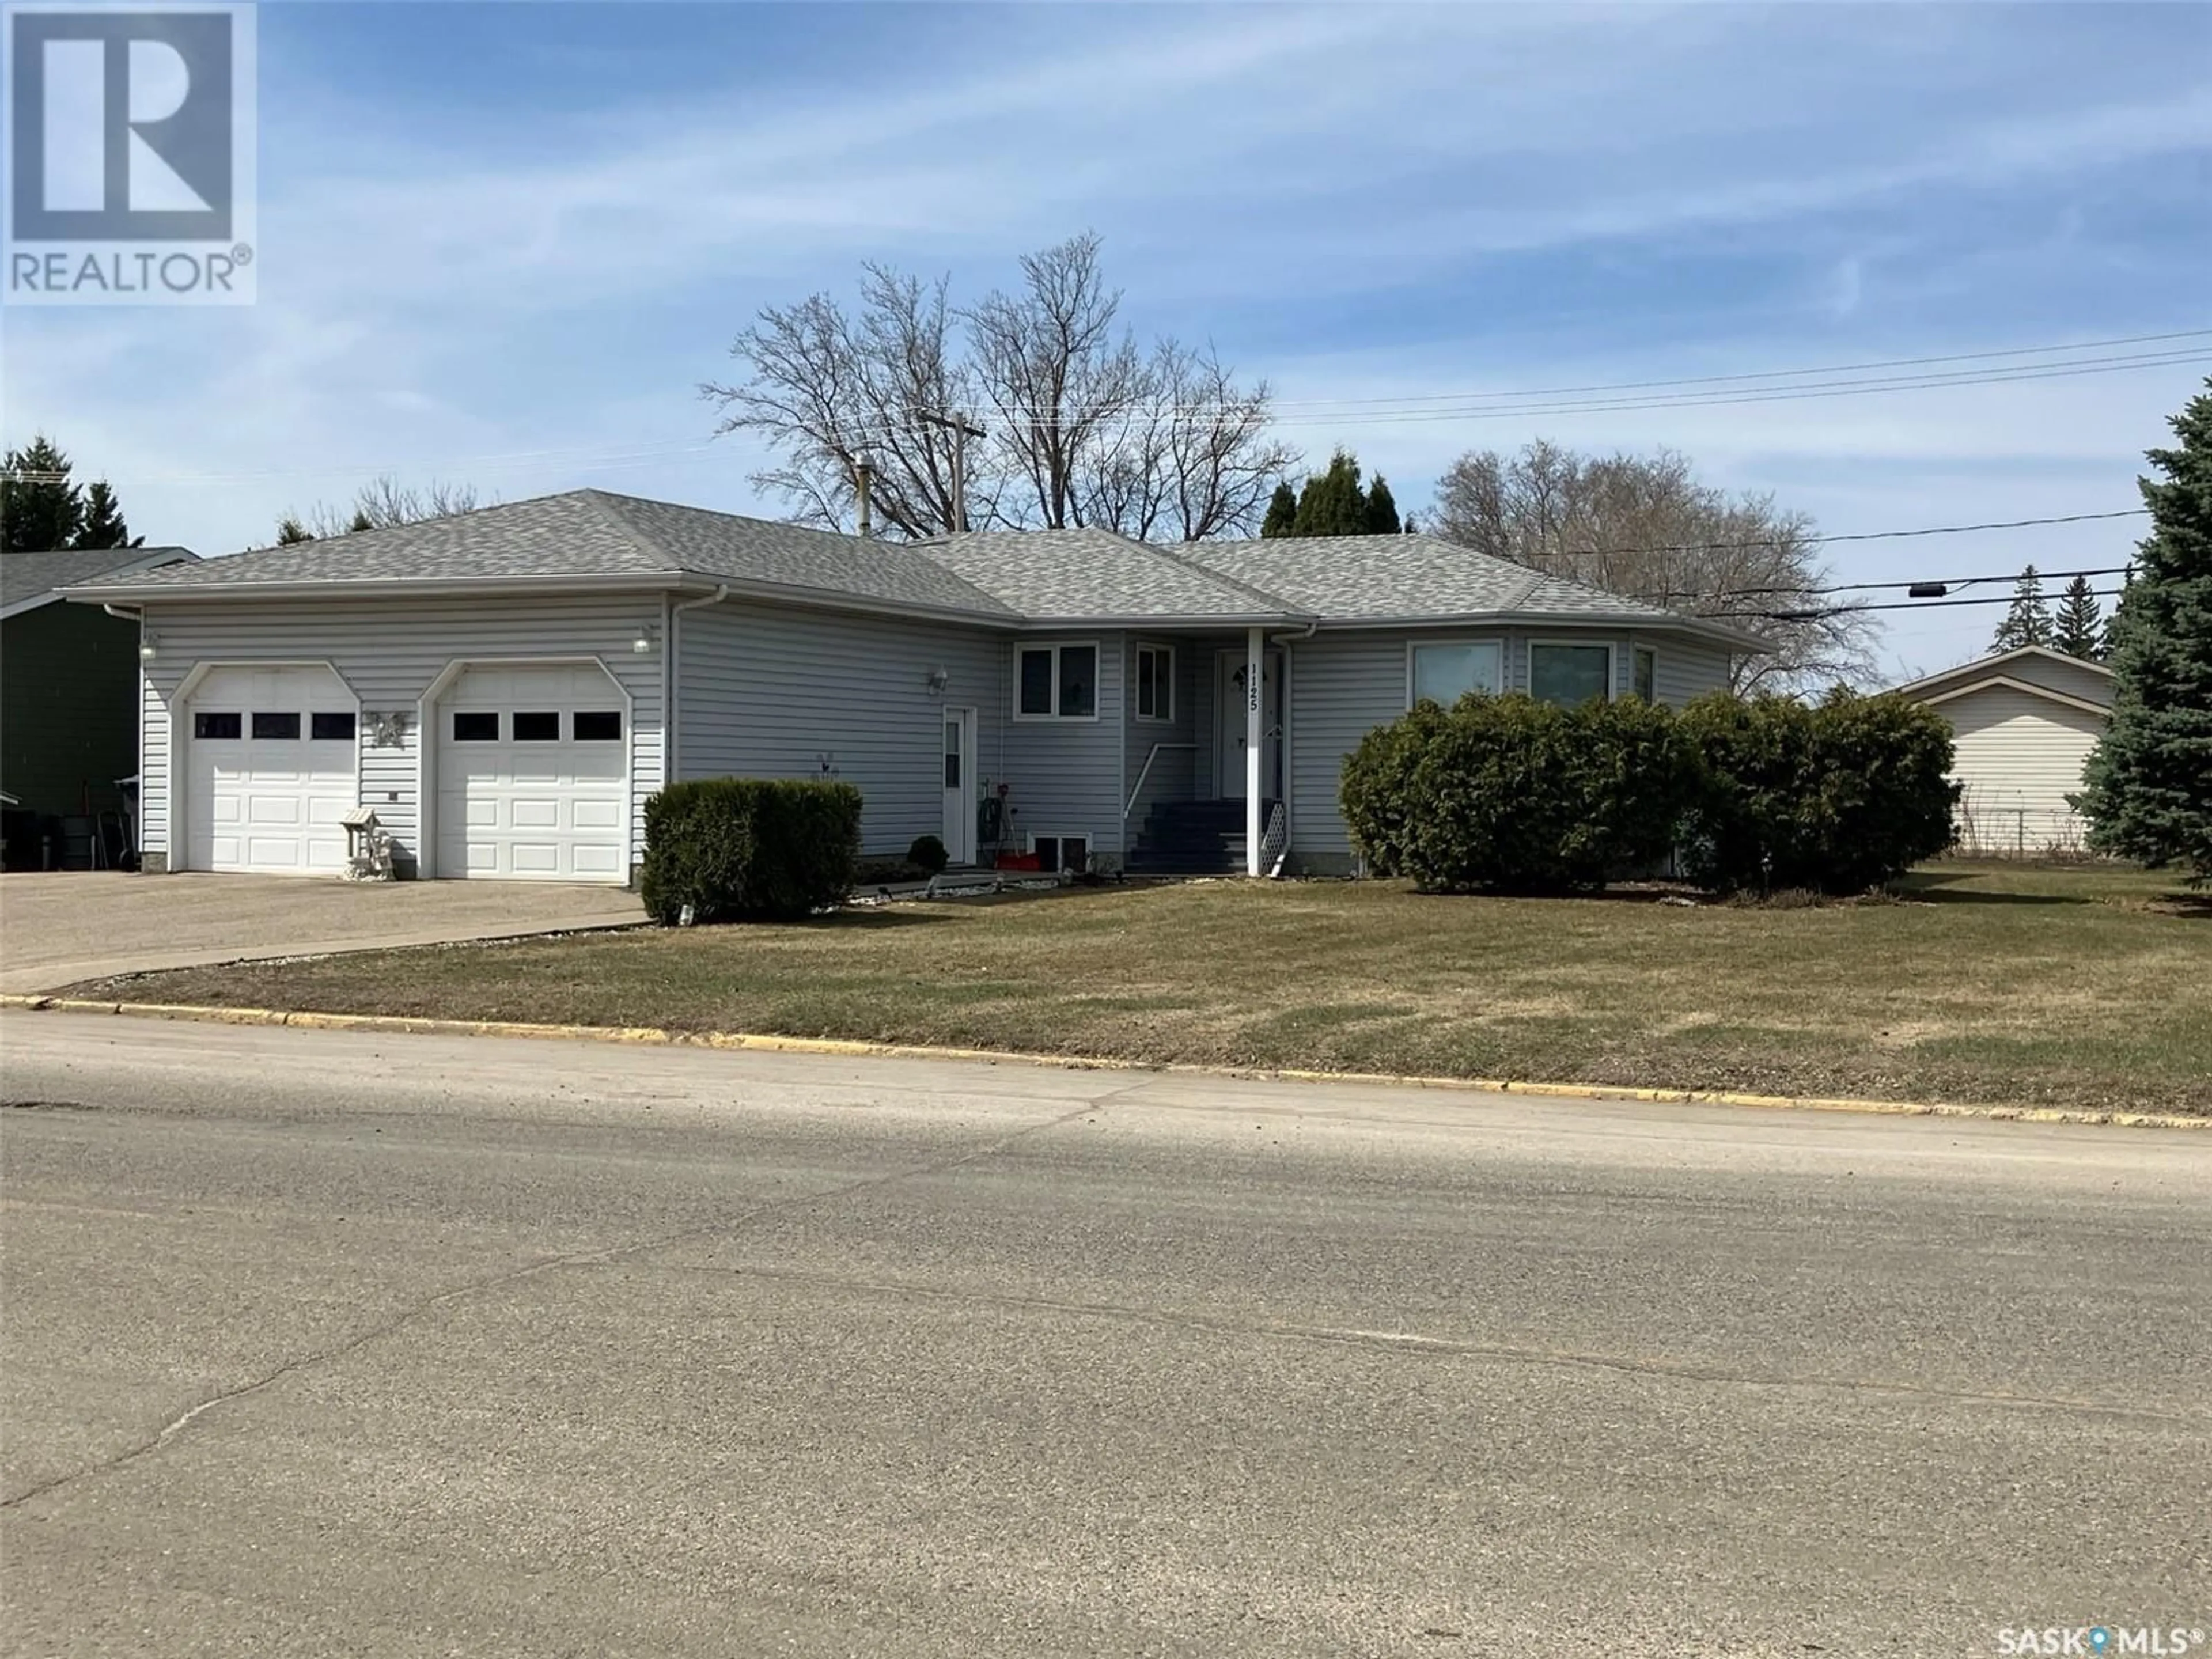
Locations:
(852, 1048)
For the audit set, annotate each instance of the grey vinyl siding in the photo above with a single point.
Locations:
(1686, 672)
(1343, 685)
(770, 692)
(389, 652)
(1066, 775)
(1174, 774)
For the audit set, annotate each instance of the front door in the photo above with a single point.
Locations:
(959, 834)
(1230, 736)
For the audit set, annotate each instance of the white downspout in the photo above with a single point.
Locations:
(1285, 759)
(668, 680)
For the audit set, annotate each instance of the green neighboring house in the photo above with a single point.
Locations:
(69, 680)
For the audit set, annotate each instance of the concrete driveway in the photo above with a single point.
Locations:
(60, 929)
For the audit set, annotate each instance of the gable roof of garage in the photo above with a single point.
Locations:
(587, 538)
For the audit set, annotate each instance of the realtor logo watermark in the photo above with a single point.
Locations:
(129, 169)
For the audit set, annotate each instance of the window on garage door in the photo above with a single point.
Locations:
(269, 769)
(532, 775)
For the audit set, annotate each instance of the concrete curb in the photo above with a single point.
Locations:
(402, 1024)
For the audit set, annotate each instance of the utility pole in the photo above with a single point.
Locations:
(961, 431)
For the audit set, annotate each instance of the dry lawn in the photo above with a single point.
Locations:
(1983, 983)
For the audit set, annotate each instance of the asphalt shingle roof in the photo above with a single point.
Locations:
(26, 576)
(590, 533)
(1094, 574)
(1040, 576)
(1347, 578)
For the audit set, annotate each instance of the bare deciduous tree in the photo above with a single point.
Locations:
(1084, 429)
(832, 393)
(1193, 458)
(380, 504)
(1644, 526)
(1058, 375)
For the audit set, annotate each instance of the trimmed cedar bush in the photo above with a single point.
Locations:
(1510, 794)
(1836, 797)
(928, 852)
(749, 848)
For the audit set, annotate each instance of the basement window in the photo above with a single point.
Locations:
(1061, 852)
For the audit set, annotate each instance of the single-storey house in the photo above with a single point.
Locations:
(68, 682)
(506, 689)
(2024, 722)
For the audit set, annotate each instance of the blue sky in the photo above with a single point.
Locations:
(502, 244)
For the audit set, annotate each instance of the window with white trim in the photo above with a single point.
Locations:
(1570, 674)
(1444, 672)
(1155, 682)
(1056, 682)
(1646, 675)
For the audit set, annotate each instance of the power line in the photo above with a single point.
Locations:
(1765, 375)
(1825, 612)
(1839, 389)
(1853, 536)
(1862, 587)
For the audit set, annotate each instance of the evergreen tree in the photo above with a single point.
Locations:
(40, 508)
(1332, 503)
(1282, 517)
(2149, 781)
(290, 531)
(2028, 622)
(359, 521)
(2079, 630)
(103, 524)
(1381, 509)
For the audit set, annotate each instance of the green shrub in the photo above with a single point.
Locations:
(929, 853)
(1836, 797)
(1512, 794)
(749, 848)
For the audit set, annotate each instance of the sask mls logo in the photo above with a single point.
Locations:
(129, 166)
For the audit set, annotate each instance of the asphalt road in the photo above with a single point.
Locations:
(322, 1343)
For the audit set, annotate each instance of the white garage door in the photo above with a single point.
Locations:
(533, 775)
(272, 768)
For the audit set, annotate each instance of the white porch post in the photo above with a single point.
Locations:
(1256, 737)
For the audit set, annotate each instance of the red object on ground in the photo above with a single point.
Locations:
(1021, 861)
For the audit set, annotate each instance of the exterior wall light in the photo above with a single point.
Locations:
(146, 651)
(937, 679)
(642, 645)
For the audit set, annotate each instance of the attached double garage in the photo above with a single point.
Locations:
(485, 766)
